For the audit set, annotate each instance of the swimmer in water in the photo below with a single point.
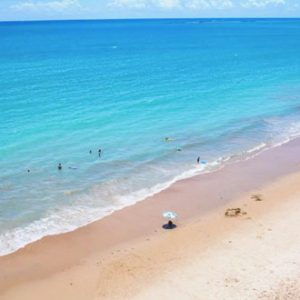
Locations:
(99, 152)
(198, 160)
(59, 166)
(90, 151)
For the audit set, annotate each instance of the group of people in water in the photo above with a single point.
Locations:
(59, 167)
(99, 152)
(167, 139)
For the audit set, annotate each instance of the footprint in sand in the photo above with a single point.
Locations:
(231, 281)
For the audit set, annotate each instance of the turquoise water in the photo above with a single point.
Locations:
(220, 89)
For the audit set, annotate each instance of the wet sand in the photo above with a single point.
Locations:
(128, 255)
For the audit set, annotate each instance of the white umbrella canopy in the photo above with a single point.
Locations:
(170, 215)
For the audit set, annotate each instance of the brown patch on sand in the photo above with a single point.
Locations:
(234, 212)
(257, 197)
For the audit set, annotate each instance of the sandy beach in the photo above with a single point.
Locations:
(254, 255)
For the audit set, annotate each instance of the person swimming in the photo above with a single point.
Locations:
(168, 139)
(59, 167)
(99, 152)
(90, 151)
(198, 160)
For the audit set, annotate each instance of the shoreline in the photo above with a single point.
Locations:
(197, 170)
(144, 219)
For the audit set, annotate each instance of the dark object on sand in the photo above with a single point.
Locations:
(169, 225)
(59, 166)
(257, 197)
(234, 212)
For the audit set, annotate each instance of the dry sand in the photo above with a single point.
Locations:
(208, 256)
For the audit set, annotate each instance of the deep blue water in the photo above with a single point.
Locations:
(219, 89)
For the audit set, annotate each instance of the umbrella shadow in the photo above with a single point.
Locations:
(169, 226)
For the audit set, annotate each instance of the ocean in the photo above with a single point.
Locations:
(153, 95)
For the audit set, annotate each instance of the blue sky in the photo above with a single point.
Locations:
(103, 9)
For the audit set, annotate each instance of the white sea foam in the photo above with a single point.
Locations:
(257, 148)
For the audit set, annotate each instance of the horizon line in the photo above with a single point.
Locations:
(137, 19)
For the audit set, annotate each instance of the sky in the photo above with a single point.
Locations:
(19, 10)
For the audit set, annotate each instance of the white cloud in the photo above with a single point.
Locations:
(194, 4)
(165, 4)
(168, 4)
(173, 4)
(57, 5)
(128, 3)
(262, 3)
(198, 4)
(205, 4)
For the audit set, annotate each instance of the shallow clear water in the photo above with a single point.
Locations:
(221, 89)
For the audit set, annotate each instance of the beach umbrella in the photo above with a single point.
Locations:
(170, 215)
